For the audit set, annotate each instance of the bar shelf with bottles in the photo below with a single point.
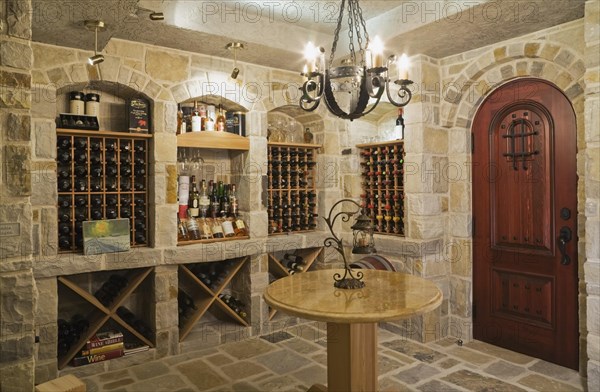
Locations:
(204, 287)
(108, 308)
(382, 171)
(101, 175)
(208, 213)
(292, 197)
(282, 264)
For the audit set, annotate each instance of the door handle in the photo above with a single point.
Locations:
(565, 235)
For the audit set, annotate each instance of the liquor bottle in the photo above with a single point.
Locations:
(215, 205)
(196, 120)
(399, 128)
(221, 120)
(194, 199)
(180, 128)
(204, 201)
(182, 233)
(192, 226)
(224, 199)
(205, 228)
(216, 228)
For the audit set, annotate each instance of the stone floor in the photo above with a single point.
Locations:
(295, 359)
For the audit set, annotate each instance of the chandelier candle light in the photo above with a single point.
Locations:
(363, 81)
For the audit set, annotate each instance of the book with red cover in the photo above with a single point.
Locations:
(87, 359)
(103, 349)
(104, 339)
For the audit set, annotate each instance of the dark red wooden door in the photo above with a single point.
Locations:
(524, 209)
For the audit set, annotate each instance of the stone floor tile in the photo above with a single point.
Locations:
(276, 337)
(401, 357)
(494, 351)
(301, 346)
(387, 364)
(470, 356)
(416, 373)
(200, 374)
(447, 363)
(446, 342)
(118, 383)
(187, 389)
(320, 358)
(315, 374)
(283, 361)
(189, 356)
(436, 386)
(248, 348)
(219, 359)
(415, 350)
(553, 370)
(149, 370)
(478, 383)
(387, 384)
(166, 383)
(541, 383)
(244, 387)
(91, 385)
(242, 369)
(504, 370)
(308, 332)
(280, 384)
(383, 335)
(116, 375)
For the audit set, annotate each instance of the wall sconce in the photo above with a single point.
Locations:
(157, 16)
(234, 46)
(95, 25)
(363, 243)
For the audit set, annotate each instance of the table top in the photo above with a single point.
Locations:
(386, 296)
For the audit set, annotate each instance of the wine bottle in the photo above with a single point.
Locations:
(294, 258)
(64, 242)
(182, 232)
(80, 171)
(216, 228)
(192, 226)
(63, 142)
(194, 200)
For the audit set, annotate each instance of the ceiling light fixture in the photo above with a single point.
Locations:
(359, 80)
(234, 46)
(157, 16)
(95, 25)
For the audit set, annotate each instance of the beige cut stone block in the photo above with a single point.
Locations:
(531, 49)
(127, 49)
(166, 66)
(435, 141)
(460, 297)
(423, 204)
(45, 139)
(18, 376)
(460, 197)
(138, 81)
(77, 73)
(59, 77)
(16, 55)
(124, 75)
(171, 185)
(426, 227)
(549, 51)
(165, 147)
(460, 257)
(49, 232)
(180, 93)
(460, 225)
(109, 68)
(50, 56)
(522, 68)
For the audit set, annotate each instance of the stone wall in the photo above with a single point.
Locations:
(557, 55)
(591, 192)
(17, 244)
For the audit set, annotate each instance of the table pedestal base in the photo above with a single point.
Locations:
(352, 357)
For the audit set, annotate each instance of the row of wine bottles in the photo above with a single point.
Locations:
(187, 306)
(135, 322)
(111, 289)
(293, 263)
(211, 274)
(69, 332)
(100, 144)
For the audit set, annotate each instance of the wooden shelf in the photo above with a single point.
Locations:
(79, 132)
(380, 144)
(217, 140)
(210, 241)
(205, 297)
(308, 255)
(294, 145)
(102, 314)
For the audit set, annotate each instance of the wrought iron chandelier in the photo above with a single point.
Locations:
(357, 83)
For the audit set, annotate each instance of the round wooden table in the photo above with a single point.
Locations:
(352, 316)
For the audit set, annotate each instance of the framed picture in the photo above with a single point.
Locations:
(105, 236)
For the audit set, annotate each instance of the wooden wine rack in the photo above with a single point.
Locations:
(204, 297)
(292, 198)
(382, 171)
(280, 271)
(101, 314)
(99, 187)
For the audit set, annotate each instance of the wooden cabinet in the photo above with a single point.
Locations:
(81, 301)
(205, 296)
(382, 171)
(101, 175)
(292, 197)
(278, 265)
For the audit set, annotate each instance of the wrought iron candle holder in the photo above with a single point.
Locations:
(363, 243)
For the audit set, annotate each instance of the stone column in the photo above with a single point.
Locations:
(17, 286)
(592, 190)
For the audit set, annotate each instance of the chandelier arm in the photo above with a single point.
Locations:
(405, 94)
(305, 105)
(377, 81)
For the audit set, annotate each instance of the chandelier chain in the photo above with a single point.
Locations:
(351, 31)
(337, 32)
(363, 24)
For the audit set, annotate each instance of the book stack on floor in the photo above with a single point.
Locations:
(104, 346)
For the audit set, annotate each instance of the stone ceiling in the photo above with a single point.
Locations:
(275, 32)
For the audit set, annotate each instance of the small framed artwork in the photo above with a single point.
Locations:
(105, 236)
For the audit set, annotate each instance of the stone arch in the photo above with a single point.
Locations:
(546, 60)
